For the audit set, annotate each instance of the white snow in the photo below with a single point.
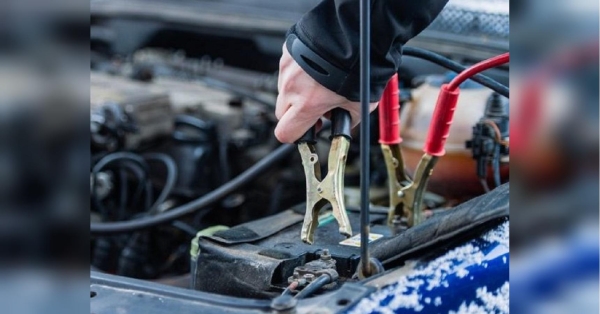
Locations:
(489, 302)
(461, 273)
(500, 234)
(433, 275)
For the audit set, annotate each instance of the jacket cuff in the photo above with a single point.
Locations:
(345, 83)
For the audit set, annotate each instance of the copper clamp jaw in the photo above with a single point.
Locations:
(319, 191)
(406, 195)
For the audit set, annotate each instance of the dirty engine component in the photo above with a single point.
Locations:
(261, 258)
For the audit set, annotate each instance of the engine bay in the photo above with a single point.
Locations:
(182, 141)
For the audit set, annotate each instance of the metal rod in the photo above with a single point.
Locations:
(365, 57)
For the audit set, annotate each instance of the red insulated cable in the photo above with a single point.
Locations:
(389, 114)
(439, 127)
(443, 114)
(477, 68)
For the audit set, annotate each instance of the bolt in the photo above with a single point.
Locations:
(284, 304)
(309, 277)
(325, 255)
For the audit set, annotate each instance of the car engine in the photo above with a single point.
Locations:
(181, 124)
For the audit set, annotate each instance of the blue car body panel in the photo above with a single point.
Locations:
(470, 278)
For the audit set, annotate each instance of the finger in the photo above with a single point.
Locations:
(284, 63)
(373, 106)
(295, 122)
(355, 112)
(281, 106)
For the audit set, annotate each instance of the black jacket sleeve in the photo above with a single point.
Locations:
(325, 42)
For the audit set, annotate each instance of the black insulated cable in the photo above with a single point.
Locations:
(313, 286)
(365, 75)
(106, 228)
(455, 67)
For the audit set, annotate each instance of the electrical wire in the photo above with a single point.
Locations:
(446, 105)
(106, 228)
(313, 286)
(497, 133)
(470, 72)
(455, 67)
(290, 288)
(484, 184)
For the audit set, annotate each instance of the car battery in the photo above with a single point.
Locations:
(258, 259)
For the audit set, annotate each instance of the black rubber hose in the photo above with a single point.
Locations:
(119, 156)
(170, 181)
(244, 178)
(140, 176)
(124, 194)
(455, 67)
(313, 286)
(149, 197)
(105, 161)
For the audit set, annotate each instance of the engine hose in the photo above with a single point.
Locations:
(136, 160)
(140, 175)
(124, 194)
(106, 228)
(171, 178)
(455, 67)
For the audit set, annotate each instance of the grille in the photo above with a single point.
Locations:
(488, 19)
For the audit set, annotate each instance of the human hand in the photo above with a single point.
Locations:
(302, 101)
